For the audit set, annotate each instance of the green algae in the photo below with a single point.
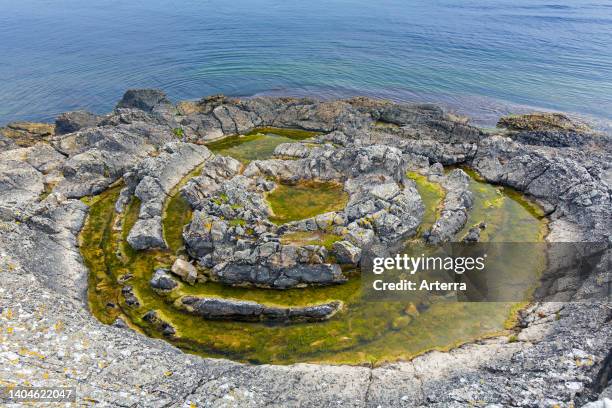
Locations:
(258, 144)
(293, 134)
(94, 244)
(503, 210)
(432, 195)
(364, 332)
(305, 200)
(177, 213)
(302, 238)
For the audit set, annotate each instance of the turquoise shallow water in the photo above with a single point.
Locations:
(479, 57)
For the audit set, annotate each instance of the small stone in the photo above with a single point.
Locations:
(163, 281)
(185, 271)
(130, 297)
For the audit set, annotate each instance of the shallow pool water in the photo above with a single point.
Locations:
(363, 332)
(305, 200)
(259, 144)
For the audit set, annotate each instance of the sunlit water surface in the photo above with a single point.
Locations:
(478, 57)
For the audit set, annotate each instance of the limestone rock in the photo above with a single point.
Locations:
(146, 234)
(561, 357)
(186, 271)
(346, 253)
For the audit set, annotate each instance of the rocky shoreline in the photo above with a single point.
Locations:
(561, 356)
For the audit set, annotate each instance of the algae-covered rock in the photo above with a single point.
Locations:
(232, 309)
(162, 280)
(26, 134)
(143, 99)
(153, 318)
(542, 121)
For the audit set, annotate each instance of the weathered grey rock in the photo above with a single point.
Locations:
(152, 181)
(241, 310)
(457, 201)
(146, 234)
(44, 158)
(7, 143)
(230, 228)
(561, 356)
(162, 280)
(578, 193)
(602, 403)
(100, 156)
(20, 183)
(346, 253)
(299, 150)
(300, 274)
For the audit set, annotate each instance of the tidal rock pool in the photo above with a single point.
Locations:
(358, 331)
(182, 247)
(257, 144)
(305, 200)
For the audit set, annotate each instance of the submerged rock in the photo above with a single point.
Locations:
(162, 280)
(143, 99)
(473, 234)
(72, 121)
(153, 318)
(232, 309)
(129, 296)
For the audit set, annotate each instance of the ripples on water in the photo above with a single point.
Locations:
(479, 58)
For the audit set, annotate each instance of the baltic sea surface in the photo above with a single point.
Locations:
(478, 57)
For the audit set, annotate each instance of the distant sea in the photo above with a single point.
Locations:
(480, 58)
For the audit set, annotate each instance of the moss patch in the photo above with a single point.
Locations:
(432, 195)
(305, 200)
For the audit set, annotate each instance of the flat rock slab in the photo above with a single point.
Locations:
(242, 310)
